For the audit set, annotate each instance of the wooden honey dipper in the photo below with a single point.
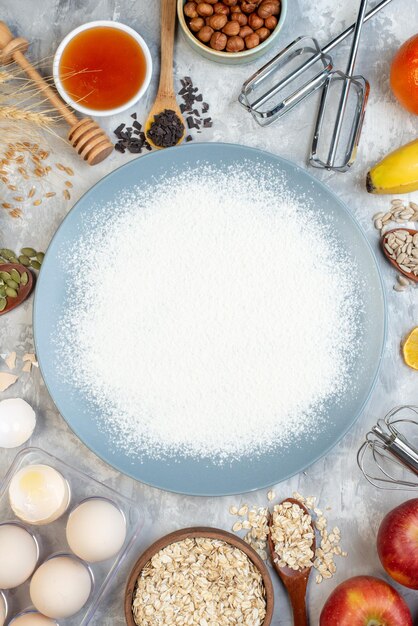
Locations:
(87, 138)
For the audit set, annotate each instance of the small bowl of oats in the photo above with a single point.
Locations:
(204, 575)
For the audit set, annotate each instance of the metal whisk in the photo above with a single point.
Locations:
(389, 450)
(298, 71)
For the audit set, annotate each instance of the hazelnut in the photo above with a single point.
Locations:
(245, 31)
(217, 22)
(196, 24)
(211, 1)
(241, 18)
(205, 34)
(235, 44)
(251, 41)
(218, 41)
(204, 9)
(231, 29)
(267, 8)
(270, 22)
(235, 10)
(190, 9)
(230, 3)
(263, 33)
(220, 9)
(248, 7)
(255, 21)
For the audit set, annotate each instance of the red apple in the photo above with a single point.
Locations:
(365, 601)
(397, 543)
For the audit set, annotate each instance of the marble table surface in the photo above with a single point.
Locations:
(356, 507)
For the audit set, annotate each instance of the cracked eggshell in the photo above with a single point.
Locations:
(17, 422)
(39, 494)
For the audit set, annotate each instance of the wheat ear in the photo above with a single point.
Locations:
(15, 114)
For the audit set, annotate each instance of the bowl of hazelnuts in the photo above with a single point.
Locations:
(231, 31)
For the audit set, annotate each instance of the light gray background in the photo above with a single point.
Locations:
(356, 507)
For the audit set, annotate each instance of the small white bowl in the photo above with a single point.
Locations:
(109, 24)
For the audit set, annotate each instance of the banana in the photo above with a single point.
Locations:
(397, 172)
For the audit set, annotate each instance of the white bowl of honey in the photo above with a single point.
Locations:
(102, 68)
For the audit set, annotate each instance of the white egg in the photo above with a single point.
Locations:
(32, 618)
(2, 610)
(18, 555)
(39, 494)
(17, 422)
(96, 530)
(60, 587)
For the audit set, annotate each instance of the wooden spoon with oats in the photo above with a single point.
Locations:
(295, 580)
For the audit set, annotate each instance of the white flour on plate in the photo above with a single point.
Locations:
(212, 315)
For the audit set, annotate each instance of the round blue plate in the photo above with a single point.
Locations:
(185, 475)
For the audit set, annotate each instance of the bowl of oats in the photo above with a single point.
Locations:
(199, 576)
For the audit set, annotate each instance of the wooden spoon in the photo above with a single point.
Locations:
(166, 98)
(412, 232)
(23, 292)
(295, 581)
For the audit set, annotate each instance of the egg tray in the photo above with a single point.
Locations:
(51, 538)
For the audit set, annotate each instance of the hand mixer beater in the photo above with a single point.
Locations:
(388, 459)
(297, 72)
(334, 158)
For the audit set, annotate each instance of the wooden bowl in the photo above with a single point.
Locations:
(24, 292)
(187, 533)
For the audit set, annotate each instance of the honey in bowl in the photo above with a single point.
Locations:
(102, 68)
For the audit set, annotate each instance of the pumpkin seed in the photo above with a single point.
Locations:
(6, 253)
(30, 252)
(12, 284)
(40, 257)
(24, 260)
(24, 279)
(3, 303)
(5, 276)
(2, 291)
(13, 259)
(15, 275)
(11, 293)
(35, 264)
